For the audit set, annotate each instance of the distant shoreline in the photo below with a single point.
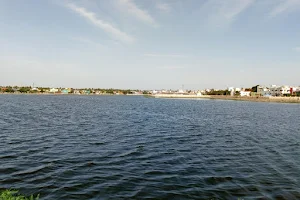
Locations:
(235, 98)
(181, 96)
(60, 94)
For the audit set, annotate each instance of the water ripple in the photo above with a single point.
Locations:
(97, 147)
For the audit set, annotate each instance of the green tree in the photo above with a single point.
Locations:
(24, 89)
(9, 90)
(219, 92)
(254, 88)
(127, 92)
(109, 91)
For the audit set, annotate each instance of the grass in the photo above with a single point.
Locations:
(14, 195)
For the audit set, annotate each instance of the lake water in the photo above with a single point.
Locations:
(127, 147)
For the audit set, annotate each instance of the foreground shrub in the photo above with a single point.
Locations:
(14, 195)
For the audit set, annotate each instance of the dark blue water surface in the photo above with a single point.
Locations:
(120, 147)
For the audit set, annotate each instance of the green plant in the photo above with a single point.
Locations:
(237, 93)
(14, 195)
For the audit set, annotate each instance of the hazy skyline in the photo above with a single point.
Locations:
(150, 44)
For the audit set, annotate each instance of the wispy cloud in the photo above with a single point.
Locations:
(285, 6)
(165, 55)
(225, 12)
(138, 13)
(163, 7)
(86, 41)
(108, 28)
(235, 8)
(297, 49)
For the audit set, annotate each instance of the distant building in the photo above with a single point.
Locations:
(245, 93)
(280, 91)
(237, 89)
(53, 90)
(263, 91)
(35, 89)
(76, 92)
(65, 91)
(98, 92)
(181, 91)
(87, 92)
(294, 90)
(233, 90)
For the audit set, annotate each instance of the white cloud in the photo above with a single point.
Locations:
(165, 55)
(236, 7)
(108, 28)
(285, 6)
(163, 7)
(297, 49)
(224, 12)
(134, 10)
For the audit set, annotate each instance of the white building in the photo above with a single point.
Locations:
(76, 92)
(233, 90)
(53, 90)
(263, 91)
(245, 93)
(295, 89)
(181, 91)
(280, 91)
(34, 89)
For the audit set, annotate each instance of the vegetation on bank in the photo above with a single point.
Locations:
(218, 92)
(14, 195)
(39, 90)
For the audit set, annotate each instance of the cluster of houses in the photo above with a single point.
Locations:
(40, 90)
(257, 90)
(264, 91)
(181, 91)
(278, 91)
(69, 91)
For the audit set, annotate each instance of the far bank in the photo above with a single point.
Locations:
(226, 97)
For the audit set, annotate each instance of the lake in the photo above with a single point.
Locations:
(132, 147)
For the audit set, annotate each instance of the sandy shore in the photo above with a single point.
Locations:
(261, 99)
(237, 98)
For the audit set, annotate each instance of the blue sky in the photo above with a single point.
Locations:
(150, 44)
